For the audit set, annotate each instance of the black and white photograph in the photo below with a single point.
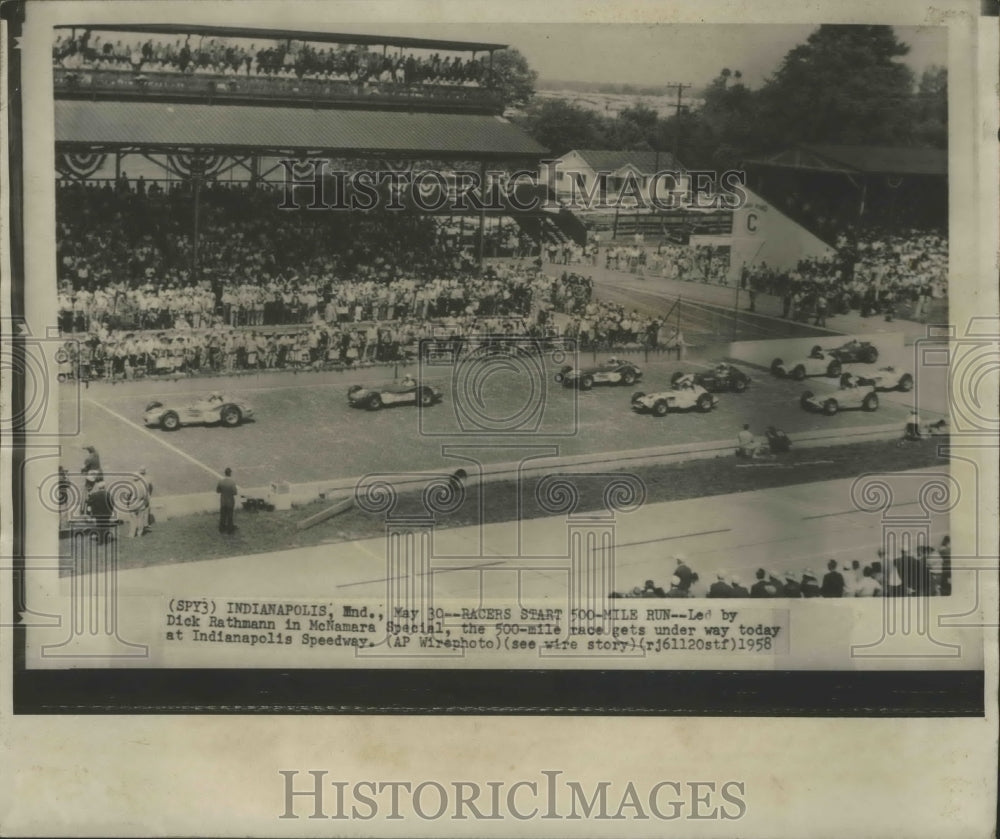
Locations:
(404, 362)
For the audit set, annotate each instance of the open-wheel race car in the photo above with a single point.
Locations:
(853, 352)
(886, 378)
(846, 398)
(215, 410)
(613, 372)
(405, 392)
(723, 378)
(685, 395)
(817, 363)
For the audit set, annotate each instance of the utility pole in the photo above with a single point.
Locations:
(677, 113)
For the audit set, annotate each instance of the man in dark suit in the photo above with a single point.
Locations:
(226, 488)
(833, 581)
(720, 588)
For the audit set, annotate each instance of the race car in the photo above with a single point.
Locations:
(613, 372)
(846, 398)
(685, 395)
(852, 352)
(217, 409)
(722, 378)
(886, 378)
(406, 392)
(818, 363)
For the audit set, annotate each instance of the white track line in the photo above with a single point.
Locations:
(157, 438)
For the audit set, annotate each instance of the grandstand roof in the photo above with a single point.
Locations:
(603, 160)
(152, 125)
(289, 35)
(869, 160)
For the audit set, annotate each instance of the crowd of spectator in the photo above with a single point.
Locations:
(927, 572)
(279, 59)
(881, 274)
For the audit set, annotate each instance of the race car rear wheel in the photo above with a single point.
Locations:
(660, 408)
(870, 355)
(586, 381)
(830, 407)
(628, 377)
(804, 400)
(374, 402)
(906, 383)
(704, 403)
(833, 369)
(170, 421)
(231, 416)
(425, 397)
(740, 385)
(798, 373)
(870, 402)
(674, 379)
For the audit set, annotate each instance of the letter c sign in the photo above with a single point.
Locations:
(752, 222)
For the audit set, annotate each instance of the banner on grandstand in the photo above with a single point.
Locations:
(762, 233)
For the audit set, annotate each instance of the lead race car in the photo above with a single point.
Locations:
(723, 378)
(819, 362)
(852, 352)
(684, 396)
(406, 392)
(850, 396)
(613, 372)
(217, 409)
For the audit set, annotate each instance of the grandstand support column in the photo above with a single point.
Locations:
(254, 171)
(118, 168)
(481, 249)
(197, 210)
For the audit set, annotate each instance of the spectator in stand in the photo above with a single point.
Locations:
(833, 581)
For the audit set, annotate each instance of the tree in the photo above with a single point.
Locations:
(844, 85)
(513, 77)
(931, 109)
(561, 126)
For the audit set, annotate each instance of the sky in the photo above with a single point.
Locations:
(655, 54)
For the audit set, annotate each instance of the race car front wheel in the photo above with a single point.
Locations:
(740, 385)
(870, 355)
(704, 403)
(870, 402)
(906, 383)
(374, 402)
(425, 397)
(660, 409)
(586, 382)
(231, 416)
(628, 378)
(830, 407)
(799, 373)
(170, 421)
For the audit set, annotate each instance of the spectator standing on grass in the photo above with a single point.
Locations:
(226, 488)
(869, 586)
(92, 462)
(763, 587)
(833, 581)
